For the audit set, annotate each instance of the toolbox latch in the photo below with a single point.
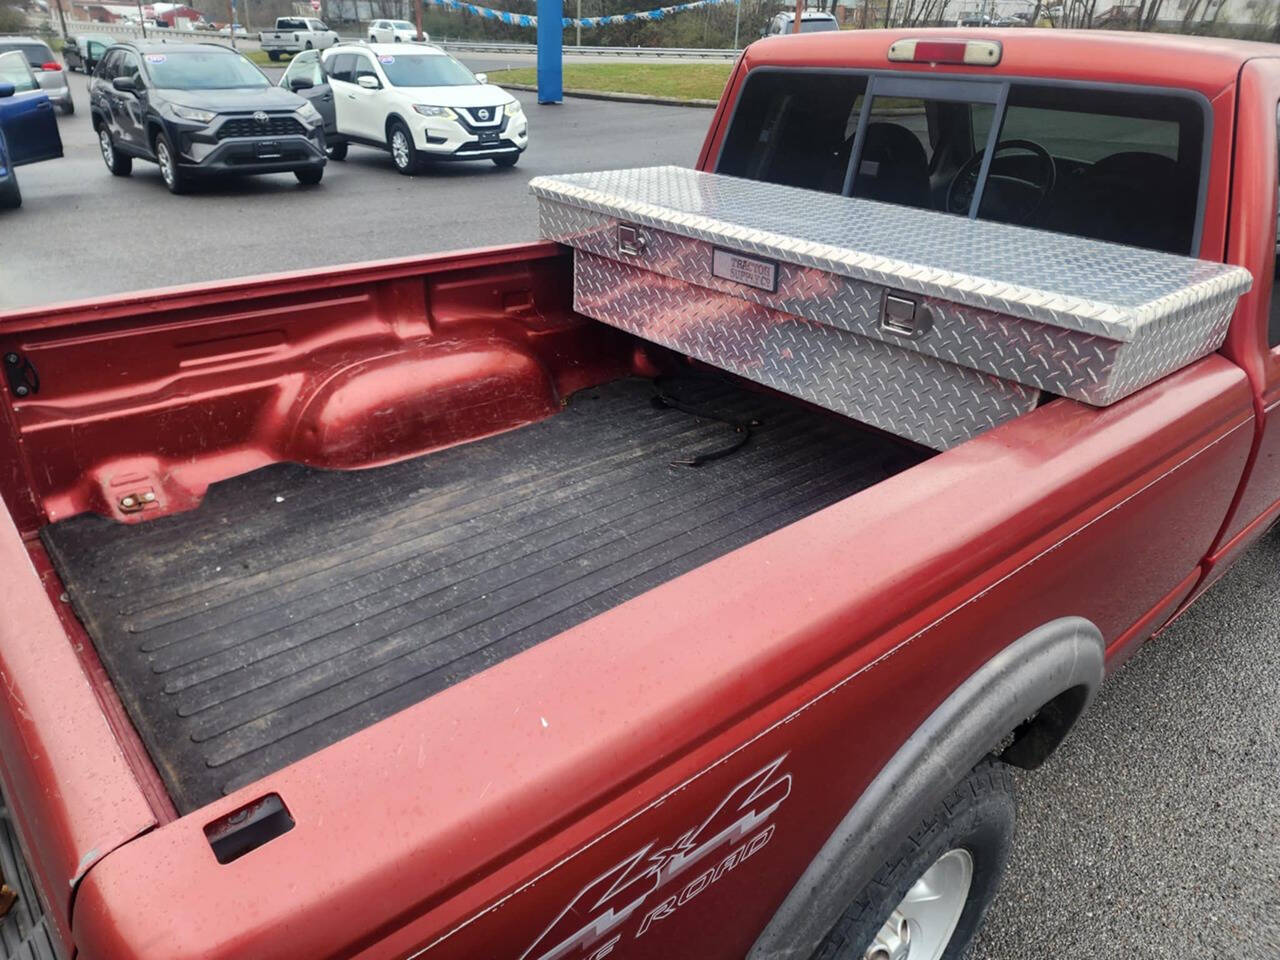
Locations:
(631, 240)
(903, 315)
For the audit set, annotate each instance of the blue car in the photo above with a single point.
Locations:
(28, 126)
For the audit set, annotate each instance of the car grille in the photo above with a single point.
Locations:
(473, 114)
(276, 126)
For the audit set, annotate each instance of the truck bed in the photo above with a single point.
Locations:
(296, 605)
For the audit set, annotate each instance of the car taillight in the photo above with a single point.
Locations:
(975, 53)
(50, 66)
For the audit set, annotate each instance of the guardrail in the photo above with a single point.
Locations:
(459, 46)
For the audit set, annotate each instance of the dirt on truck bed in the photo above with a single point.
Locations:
(296, 605)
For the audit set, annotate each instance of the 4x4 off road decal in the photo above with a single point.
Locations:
(587, 928)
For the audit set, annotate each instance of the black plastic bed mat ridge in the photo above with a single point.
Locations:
(296, 605)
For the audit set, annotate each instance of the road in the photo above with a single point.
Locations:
(1155, 833)
(362, 210)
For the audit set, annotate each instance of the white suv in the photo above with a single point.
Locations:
(419, 103)
(394, 31)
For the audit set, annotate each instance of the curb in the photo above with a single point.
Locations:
(620, 97)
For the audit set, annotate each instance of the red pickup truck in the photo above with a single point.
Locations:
(597, 654)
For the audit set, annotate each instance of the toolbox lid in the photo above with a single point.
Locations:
(1071, 282)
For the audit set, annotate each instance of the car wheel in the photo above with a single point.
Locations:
(337, 151)
(309, 46)
(396, 39)
(372, 38)
(69, 107)
(507, 161)
(274, 55)
(10, 195)
(929, 898)
(309, 176)
(120, 164)
(403, 153)
(170, 170)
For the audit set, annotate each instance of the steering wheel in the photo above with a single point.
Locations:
(1005, 198)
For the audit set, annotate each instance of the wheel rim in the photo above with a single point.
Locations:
(400, 149)
(108, 151)
(922, 925)
(166, 162)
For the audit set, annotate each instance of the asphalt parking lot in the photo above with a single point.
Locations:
(130, 233)
(1155, 833)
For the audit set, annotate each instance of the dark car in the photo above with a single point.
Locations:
(28, 127)
(199, 109)
(306, 77)
(83, 51)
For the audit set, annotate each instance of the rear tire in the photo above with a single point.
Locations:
(120, 164)
(309, 176)
(337, 151)
(309, 46)
(69, 107)
(10, 195)
(509, 161)
(403, 153)
(933, 892)
(274, 55)
(175, 179)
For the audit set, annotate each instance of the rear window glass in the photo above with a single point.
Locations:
(37, 54)
(795, 129)
(1113, 165)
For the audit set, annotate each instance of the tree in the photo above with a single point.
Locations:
(12, 18)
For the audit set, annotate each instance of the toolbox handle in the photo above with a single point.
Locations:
(904, 315)
(631, 240)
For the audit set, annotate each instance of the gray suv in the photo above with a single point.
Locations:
(49, 73)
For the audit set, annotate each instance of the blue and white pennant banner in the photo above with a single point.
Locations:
(525, 20)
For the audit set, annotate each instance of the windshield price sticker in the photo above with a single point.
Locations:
(740, 268)
(156, 58)
(386, 59)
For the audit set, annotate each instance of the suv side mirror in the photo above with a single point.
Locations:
(300, 83)
(125, 84)
(368, 82)
(482, 78)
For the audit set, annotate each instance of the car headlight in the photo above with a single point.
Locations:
(443, 113)
(309, 113)
(199, 116)
(513, 109)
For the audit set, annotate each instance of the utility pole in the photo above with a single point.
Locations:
(417, 15)
(799, 13)
(231, 27)
(62, 18)
(737, 18)
(578, 25)
(142, 20)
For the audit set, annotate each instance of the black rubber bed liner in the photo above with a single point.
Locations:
(296, 605)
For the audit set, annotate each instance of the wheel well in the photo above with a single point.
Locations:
(153, 128)
(1036, 738)
(392, 119)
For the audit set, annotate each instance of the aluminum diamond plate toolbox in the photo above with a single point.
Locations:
(1076, 317)
(933, 402)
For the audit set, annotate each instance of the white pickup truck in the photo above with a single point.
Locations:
(295, 34)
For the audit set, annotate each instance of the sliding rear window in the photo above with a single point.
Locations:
(1127, 165)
